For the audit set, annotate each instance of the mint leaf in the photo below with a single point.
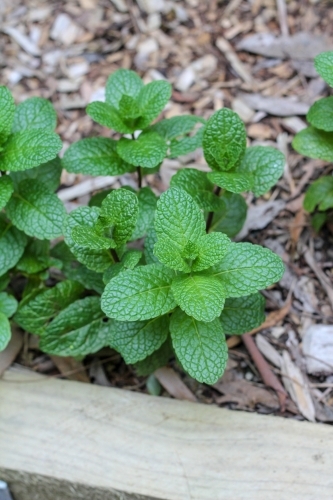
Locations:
(128, 108)
(186, 145)
(150, 241)
(200, 347)
(96, 260)
(36, 257)
(199, 295)
(12, 244)
(78, 330)
(178, 218)
(170, 255)
(4, 281)
(35, 313)
(152, 100)
(6, 190)
(128, 261)
(320, 114)
(314, 143)
(211, 249)
(108, 116)
(120, 210)
(247, 268)
(147, 206)
(140, 294)
(324, 66)
(242, 314)
(197, 185)
(7, 110)
(156, 360)
(136, 340)
(8, 304)
(230, 220)
(224, 140)
(265, 164)
(5, 332)
(29, 149)
(91, 238)
(95, 156)
(148, 150)
(34, 113)
(234, 182)
(89, 279)
(318, 220)
(319, 193)
(122, 82)
(49, 172)
(97, 199)
(36, 210)
(176, 127)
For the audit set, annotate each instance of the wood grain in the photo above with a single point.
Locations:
(128, 445)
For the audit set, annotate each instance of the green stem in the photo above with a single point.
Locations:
(211, 214)
(114, 255)
(139, 171)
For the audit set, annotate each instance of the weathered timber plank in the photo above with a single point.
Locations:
(131, 446)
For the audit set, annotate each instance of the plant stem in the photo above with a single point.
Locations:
(138, 169)
(211, 214)
(114, 255)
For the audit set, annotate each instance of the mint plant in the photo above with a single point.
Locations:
(152, 277)
(316, 141)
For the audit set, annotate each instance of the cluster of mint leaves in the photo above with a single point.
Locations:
(152, 277)
(316, 141)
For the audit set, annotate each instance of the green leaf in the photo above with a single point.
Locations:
(235, 182)
(170, 255)
(247, 268)
(319, 193)
(91, 239)
(265, 164)
(140, 294)
(152, 100)
(78, 330)
(242, 314)
(34, 113)
(147, 206)
(318, 220)
(6, 190)
(120, 210)
(35, 313)
(49, 172)
(108, 116)
(122, 82)
(186, 145)
(200, 347)
(199, 295)
(36, 257)
(8, 304)
(12, 244)
(148, 150)
(7, 110)
(4, 281)
(211, 249)
(230, 220)
(176, 127)
(136, 340)
(324, 66)
(320, 114)
(29, 149)
(224, 140)
(97, 199)
(128, 108)
(150, 241)
(89, 279)
(178, 218)
(156, 360)
(96, 260)
(129, 260)
(5, 332)
(36, 210)
(197, 185)
(95, 156)
(314, 143)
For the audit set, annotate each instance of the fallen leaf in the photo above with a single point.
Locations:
(71, 368)
(8, 355)
(259, 216)
(173, 384)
